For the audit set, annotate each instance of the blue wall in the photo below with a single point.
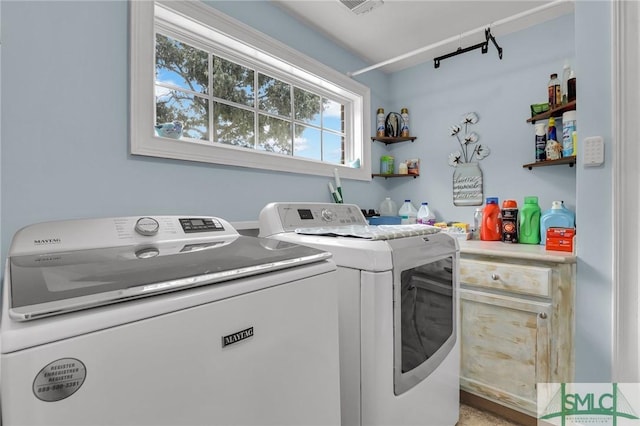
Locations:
(500, 92)
(594, 195)
(65, 117)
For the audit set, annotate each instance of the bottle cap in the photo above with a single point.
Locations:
(554, 75)
(556, 205)
(492, 200)
(532, 199)
(509, 204)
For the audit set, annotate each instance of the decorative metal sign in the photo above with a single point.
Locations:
(467, 178)
(59, 379)
(467, 185)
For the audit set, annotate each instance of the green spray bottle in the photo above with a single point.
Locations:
(529, 226)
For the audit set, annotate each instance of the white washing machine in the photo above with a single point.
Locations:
(166, 321)
(398, 311)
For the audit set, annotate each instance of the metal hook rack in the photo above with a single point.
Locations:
(484, 46)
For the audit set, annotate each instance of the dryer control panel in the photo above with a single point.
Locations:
(276, 218)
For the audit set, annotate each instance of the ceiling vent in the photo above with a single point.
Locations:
(361, 6)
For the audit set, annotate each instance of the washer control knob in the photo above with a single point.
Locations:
(327, 215)
(147, 226)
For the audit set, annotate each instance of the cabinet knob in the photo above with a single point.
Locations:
(495, 277)
(543, 315)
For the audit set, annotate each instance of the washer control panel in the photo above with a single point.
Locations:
(279, 217)
(84, 234)
(206, 224)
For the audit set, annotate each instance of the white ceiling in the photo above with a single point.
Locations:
(398, 27)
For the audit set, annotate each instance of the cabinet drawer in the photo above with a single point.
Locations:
(522, 279)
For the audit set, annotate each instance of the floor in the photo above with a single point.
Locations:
(470, 416)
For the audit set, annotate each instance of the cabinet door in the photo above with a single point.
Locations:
(505, 348)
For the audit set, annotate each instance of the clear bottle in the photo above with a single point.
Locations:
(555, 91)
(566, 71)
(380, 122)
(477, 223)
(404, 130)
(408, 213)
(425, 215)
(388, 207)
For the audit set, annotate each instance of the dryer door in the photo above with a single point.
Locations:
(425, 310)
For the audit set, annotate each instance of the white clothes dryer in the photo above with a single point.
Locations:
(172, 320)
(398, 311)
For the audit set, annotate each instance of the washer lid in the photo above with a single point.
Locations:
(55, 283)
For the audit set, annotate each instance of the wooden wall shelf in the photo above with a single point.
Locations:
(567, 160)
(389, 140)
(393, 175)
(555, 112)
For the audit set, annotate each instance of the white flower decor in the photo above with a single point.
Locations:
(470, 118)
(470, 148)
(481, 151)
(454, 158)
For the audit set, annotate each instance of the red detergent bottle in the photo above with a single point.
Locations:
(491, 229)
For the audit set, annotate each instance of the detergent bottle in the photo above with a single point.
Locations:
(558, 216)
(491, 228)
(425, 215)
(529, 224)
(408, 213)
(509, 221)
(388, 207)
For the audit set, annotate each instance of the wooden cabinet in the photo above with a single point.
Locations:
(516, 304)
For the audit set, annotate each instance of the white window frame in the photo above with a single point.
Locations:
(195, 20)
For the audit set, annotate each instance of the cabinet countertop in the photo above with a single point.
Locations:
(515, 251)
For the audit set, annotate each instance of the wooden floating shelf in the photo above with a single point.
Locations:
(555, 112)
(388, 139)
(567, 160)
(393, 175)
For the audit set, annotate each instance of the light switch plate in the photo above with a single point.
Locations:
(593, 151)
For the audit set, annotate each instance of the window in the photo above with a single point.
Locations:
(238, 97)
